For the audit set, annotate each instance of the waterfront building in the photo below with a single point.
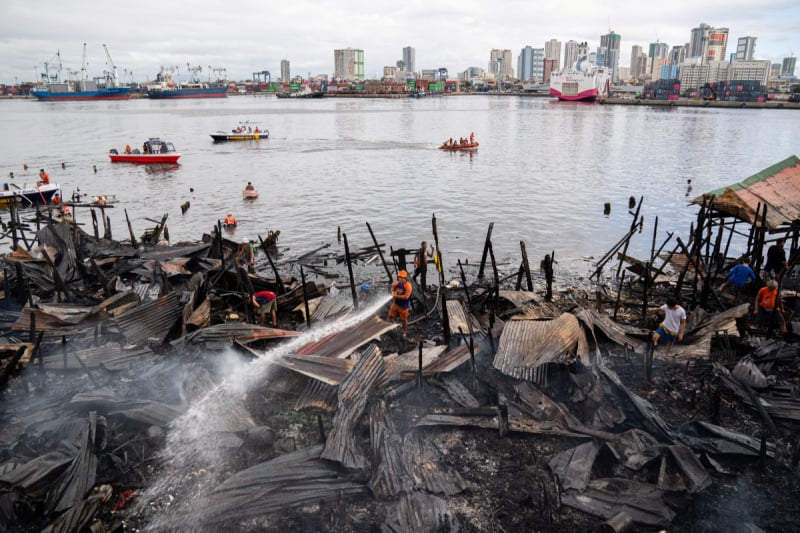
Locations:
(697, 44)
(788, 66)
(694, 75)
(410, 59)
(390, 73)
(500, 64)
(745, 48)
(669, 72)
(552, 50)
(530, 64)
(658, 49)
(624, 73)
(611, 43)
(348, 64)
(570, 53)
(550, 66)
(285, 72)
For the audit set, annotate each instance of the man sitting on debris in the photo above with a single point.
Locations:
(739, 275)
(401, 300)
(767, 309)
(266, 302)
(674, 325)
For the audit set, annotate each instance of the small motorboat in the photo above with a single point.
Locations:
(153, 151)
(221, 136)
(458, 146)
(28, 196)
(250, 194)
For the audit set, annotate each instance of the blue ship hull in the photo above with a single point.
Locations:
(111, 93)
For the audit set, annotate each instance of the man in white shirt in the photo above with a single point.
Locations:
(674, 325)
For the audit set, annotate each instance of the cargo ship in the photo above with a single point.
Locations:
(52, 88)
(584, 81)
(166, 88)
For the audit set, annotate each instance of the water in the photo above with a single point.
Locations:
(542, 173)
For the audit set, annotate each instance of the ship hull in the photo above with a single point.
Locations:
(205, 92)
(114, 93)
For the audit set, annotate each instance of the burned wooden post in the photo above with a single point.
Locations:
(485, 250)
(305, 297)
(350, 272)
(130, 229)
(445, 318)
(419, 367)
(653, 244)
(526, 266)
(520, 273)
(634, 224)
(13, 223)
(496, 298)
(380, 254)
(646, 290)
(94, 224)
(464, 284)
(278, 280)
(619, 293)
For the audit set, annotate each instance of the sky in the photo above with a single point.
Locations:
(247, 36)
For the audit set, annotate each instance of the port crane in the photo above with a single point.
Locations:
(113, 74)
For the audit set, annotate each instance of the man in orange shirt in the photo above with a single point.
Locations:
(767, 309)
(44, 178)
(401, 300)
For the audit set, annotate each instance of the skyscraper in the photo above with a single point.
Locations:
(745, 48)
(285, 72)
(677, 55)
(611, 42)
(788, 66)
(716, 45)
(348, 64)
(552, 50)
(657, 49)
(570, 53)
(525, 63)
(500, 64)
(697, 44)
(410, 59)
(638, 62)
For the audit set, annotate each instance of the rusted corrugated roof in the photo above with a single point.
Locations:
(151, 320)
(317, 395)
(345, 342)
(777, 187)
(531, 305)
(326, 369)
(527, 344)
(108, 356)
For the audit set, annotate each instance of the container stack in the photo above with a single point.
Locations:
(740, 91)
(663, 90)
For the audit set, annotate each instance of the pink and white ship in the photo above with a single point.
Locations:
(584, 81)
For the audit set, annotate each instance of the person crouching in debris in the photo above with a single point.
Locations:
(739, 275)
(767, 308)
(401, 300)
(266, 302)
(674, 325)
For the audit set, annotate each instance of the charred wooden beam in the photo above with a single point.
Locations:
(486, 245)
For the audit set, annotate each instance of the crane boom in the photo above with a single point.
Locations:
(113, 67)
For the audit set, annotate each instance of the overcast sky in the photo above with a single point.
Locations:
(245, 36)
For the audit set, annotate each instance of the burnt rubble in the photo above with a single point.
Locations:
(139, 394)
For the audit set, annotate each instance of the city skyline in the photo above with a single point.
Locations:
(252, 37)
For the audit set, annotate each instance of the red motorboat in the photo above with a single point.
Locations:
(459, 146)
(153, 151)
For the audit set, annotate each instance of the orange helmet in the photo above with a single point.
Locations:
(402, 274)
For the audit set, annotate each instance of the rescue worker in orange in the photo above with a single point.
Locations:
(401, 300)
(767, 308)
(230, 220)
(44, 178)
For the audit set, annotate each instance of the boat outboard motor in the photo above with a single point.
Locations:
(113, 151)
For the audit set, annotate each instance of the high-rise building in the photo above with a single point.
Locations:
(677, 55)
(657, 52)
(788, 66)
(410, 59)
(348, 64)
(745, 48)
(500, 64)
(530, 64)
(286, 74)
(636, 53)
(570, 53)
(658, 49)
(611, 42)
(552, 50)
(697, 44)
(716, 45)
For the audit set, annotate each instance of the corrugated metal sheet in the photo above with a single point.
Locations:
(345, 342)
(317, 395)
(108, 356)
(777, 186)
(528, 344)
(151, 320)
(329, 370)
